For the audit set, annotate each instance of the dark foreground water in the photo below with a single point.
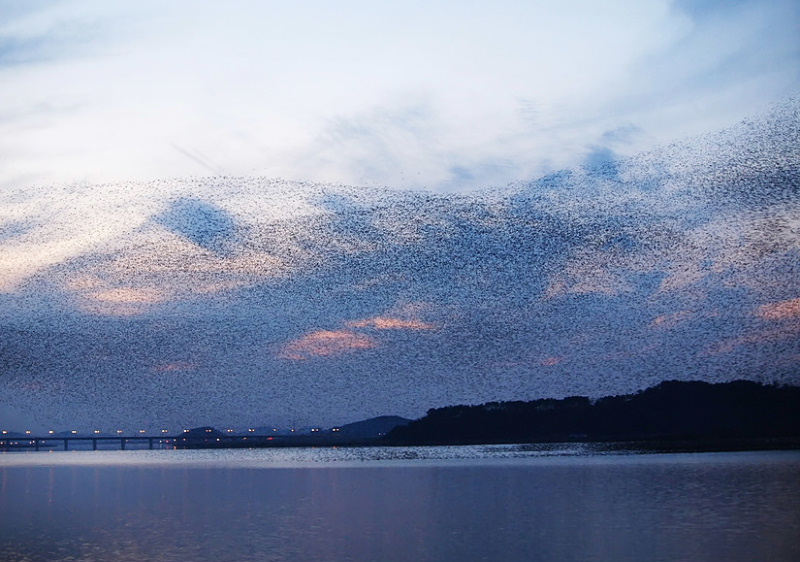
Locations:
(500, 503)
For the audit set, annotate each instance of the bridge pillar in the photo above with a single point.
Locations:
(122, 444)
(94, 444)
(66, 444)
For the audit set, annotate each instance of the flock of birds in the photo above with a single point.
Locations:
(242, 301)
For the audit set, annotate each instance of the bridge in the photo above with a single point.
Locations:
(37, 443)
(198, 438)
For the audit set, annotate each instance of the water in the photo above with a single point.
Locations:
(430, 503)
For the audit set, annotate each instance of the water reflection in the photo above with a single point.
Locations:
(738, 506)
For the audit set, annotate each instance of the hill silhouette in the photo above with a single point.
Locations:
(371, 428)
(670, 411)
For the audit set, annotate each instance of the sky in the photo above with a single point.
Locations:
(264, 212)
(439, 95)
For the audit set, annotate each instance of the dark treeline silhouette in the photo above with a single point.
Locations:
(672, 411)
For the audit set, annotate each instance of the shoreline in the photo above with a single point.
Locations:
(622, 446)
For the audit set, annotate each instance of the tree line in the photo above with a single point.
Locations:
(672, 410)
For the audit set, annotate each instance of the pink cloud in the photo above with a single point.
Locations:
(760, 337)
(324, 343)
(667, 321)
(386, 323)
(550, 361)
(175, 366)
(780, 310)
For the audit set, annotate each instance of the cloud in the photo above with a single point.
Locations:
(204, 161)
(326, 343)
(121, 301)
(387, 323)
(787, 334)
(667, 321)
(784, 310)
(552, 361)
(46, 33)
(126, 296)
(175, 366)
(444, 96)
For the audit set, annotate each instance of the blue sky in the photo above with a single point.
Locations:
(254, 212)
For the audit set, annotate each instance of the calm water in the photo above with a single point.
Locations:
(437, 503)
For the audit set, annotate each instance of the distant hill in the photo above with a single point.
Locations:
(672, 410)
(366, 432)
(373, 427)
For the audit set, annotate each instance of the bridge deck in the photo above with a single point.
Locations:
(37, 443)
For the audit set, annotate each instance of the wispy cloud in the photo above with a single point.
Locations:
(783, 310)
(388, 323)
(667, 321)
(774, 335)
(175, 367)
(202, 160)
(513, 92)
(326, 343)
(552, 361)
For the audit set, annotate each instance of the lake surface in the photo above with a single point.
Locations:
(498, 503)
